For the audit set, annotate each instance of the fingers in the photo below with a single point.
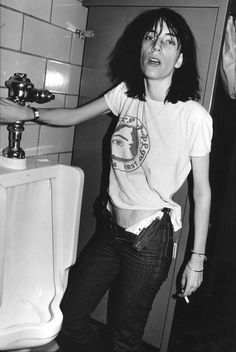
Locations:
(187, 292)
(7, 102)
(190, 288)
(9, 110)
(190, 282)
(191, 291)
(183, 281)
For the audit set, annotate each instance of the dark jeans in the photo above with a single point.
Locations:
(132, 277)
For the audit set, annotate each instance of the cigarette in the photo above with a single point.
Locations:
(186, 299)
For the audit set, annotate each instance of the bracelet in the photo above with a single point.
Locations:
(36, 113)
(197, 271)
(200, 254)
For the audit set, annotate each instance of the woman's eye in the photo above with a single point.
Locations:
(170, 41)
(149, 36)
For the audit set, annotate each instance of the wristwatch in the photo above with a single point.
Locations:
(36, 113)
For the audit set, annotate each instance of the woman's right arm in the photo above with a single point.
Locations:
(10, 112)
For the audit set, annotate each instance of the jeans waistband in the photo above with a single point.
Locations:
(121, 233)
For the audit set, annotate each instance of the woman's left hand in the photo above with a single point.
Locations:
(191, 280)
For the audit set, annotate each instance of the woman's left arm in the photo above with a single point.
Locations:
(193, 273)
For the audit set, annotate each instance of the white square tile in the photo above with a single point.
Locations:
(69, 14)
(40, 9)
(30, 138)
(53, 157)
(55, 139)
(3, 92)
(77, 50)
(71, 101)
(13, 62)
(46, 40)
(65, 158)
(3, 136)
(62, 78)
(49, 157)
(10, 35)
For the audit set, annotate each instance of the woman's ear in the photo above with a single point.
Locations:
(179, 61)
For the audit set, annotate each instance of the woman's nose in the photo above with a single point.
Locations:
(157, 44)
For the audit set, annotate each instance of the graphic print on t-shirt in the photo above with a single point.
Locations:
(129, 144)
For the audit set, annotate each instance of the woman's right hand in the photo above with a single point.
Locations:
(11, 111)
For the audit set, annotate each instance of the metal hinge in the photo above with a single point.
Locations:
(84, 34)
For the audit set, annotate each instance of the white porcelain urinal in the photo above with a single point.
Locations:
(39, 223)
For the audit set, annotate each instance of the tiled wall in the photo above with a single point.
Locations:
(37, 38)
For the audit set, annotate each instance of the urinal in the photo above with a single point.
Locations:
(39, 224)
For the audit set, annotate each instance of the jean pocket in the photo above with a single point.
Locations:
(162, 242)
(146, 235)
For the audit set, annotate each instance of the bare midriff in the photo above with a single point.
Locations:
(127, 217)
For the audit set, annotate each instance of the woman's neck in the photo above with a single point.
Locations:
(156, 90)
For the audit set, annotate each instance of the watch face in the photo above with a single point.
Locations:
(36, 113)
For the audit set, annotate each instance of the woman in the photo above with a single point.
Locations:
(162, 133)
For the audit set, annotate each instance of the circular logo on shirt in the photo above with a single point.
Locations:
(129, 144)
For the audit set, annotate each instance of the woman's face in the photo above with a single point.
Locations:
(160, 54)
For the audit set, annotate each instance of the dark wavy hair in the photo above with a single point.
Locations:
(124, 60)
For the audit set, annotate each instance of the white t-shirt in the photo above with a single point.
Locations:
(151, 150)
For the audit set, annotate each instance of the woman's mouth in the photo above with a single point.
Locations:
(154, 61)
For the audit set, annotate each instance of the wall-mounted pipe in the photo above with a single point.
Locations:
(21, 90)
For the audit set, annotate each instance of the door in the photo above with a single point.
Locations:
(108, 19)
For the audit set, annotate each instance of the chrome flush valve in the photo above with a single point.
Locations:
(21, 90)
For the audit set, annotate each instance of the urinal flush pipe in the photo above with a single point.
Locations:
(21, 90)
